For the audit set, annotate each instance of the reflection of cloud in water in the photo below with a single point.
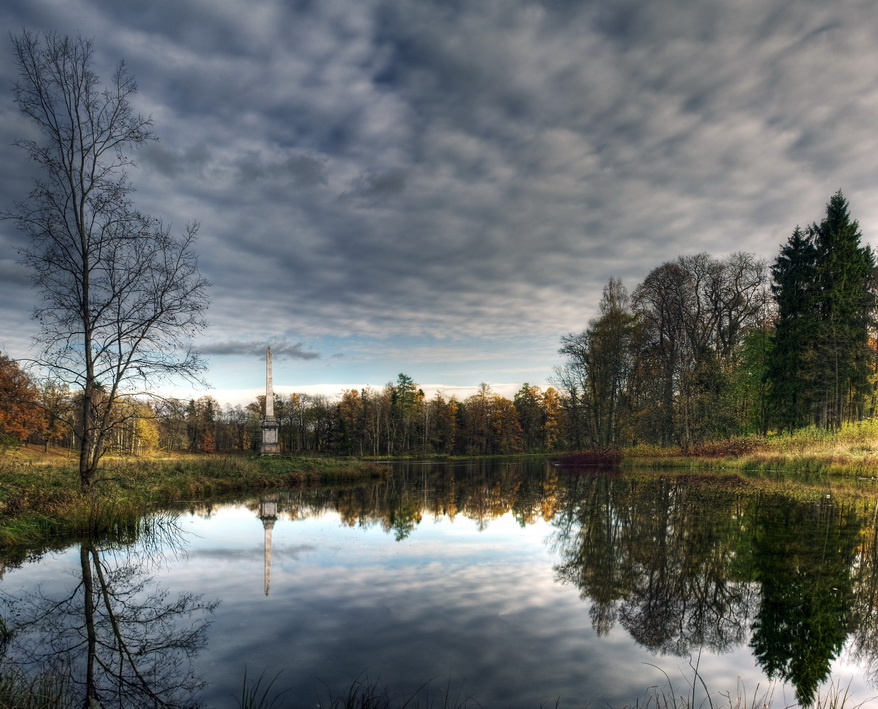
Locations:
(407, 616)
(292, 553)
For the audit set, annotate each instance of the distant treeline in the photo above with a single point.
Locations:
(704, 349)
(395, 420)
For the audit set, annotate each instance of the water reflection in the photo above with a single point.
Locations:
(682, 564)
(112, 636)
(268, 516)
(802, 556)
(658, 557)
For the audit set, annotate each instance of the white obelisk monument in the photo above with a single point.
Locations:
(270, 446)
(268, 515)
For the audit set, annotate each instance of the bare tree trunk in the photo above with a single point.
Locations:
(91, 634)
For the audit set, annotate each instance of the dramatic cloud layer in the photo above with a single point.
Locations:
(443, 188)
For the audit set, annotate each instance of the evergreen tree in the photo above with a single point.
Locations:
(792, 352)
(824, 285)
(845, 278)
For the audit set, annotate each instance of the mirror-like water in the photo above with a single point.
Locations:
(517, 584)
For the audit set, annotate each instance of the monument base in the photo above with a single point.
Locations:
(270, 449)
(270, 445)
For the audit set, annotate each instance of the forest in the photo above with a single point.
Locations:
(704, 349)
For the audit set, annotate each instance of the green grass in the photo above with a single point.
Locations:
(40, 499)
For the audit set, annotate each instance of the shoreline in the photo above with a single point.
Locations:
(41, 501)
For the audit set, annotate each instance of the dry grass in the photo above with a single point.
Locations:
(851, 452)
(40, 496)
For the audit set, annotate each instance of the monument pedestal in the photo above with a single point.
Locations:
(270, 445)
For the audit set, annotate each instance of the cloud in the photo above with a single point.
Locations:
(233, 555)
(300, 170)
(173, 163)
(279, 349)
(396, 170)
(373, 188)
(13, 273)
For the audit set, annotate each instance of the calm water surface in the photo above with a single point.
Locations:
(516, 584)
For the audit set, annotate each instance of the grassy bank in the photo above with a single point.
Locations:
(850, 452)
(40, 497)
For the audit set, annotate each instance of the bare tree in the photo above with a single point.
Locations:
(121, 296)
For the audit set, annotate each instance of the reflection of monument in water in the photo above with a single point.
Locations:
(268, 515)
(270, 446)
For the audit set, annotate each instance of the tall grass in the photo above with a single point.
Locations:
(46, 691)
(40, 501)
(258, 694)
(364, 693)
(851, 451)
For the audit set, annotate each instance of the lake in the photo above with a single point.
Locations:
(516, 584)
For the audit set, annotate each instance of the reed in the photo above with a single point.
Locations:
(364, 693)
(45, 691)
(259, 694)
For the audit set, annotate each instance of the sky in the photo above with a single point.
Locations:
(443, 189)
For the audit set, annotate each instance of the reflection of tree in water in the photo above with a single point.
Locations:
(802, 557)
(680, 562)
(865, 596)
(114, 638)
(684, 566)
(654, 555)
(682, 553)
(478, 492)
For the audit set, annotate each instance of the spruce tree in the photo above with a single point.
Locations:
(845, 279)
(824, 286)
(790, 369)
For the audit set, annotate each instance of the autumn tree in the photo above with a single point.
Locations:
(406, 405)
(121, 297)
(201, 417)
(505, 426)
(442, 431)
(173, 427)
(352, 424)
(476, 432)
(240, 428)
(20, 414)
(56, 406)
(694, 314)
(138, 433)
(528, 403)
(553, 412)
(660, 303)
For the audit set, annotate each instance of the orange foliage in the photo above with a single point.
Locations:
(19, 413)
